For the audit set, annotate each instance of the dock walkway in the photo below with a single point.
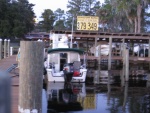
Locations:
(4, 65)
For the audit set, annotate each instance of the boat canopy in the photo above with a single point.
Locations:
(66, 50)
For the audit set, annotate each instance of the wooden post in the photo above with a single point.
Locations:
(109, 56)
(149, 53)
(5, 46)
(126, 65)
(8, 47)
(125, 95)
(11, 51)
(95, 45)
(149, 49)
(139, 51)
(144, 50)
(123, 46)
(133, 49)
(0, 49)
(99, 63)
(31, 77)
(108, 88)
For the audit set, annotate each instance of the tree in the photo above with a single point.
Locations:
(48, 20)
(16, 18)
(80, 8)
(133, 10)
(59, 20)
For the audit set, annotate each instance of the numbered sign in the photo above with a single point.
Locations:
(89, 23)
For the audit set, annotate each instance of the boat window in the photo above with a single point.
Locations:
(54, 58)
(73, 57)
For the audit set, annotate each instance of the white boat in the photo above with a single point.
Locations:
(64, 97)
(64, 63)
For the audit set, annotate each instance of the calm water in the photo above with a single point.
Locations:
(111, 95)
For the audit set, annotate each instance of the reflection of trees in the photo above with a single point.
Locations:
(137, 101)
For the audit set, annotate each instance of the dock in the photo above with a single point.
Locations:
(4, 65)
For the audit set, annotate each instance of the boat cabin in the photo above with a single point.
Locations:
(60, 56)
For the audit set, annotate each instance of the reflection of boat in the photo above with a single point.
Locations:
(64, 62)
(62, 97)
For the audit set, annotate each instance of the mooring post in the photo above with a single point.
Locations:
(125, 95)
(0, 49)
(95, 45)
(8, 48)
(31, 77)
(133, 49)
(5, 48)
(144, 50)
(126, 65)
(139, 51)
(149, 52)
(99, 63)
(123, 46)
(110, 50)
(11, 51)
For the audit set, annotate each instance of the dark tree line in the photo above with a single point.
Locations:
(16, 18)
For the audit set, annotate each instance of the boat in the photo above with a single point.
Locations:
(65, 97)
(64, 63)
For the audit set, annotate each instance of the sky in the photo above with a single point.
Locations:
(40, 5)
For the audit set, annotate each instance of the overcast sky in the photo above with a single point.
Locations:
(40, 5)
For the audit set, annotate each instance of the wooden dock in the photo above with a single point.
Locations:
(4, 65)
(131, 58)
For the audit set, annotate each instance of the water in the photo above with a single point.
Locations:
(109, 94)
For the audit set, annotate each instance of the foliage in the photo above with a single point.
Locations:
(48, 20)
(16, 18)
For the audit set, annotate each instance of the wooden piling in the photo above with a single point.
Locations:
(110, 51)
(95, 45)
(125, 95)
(149, 52)
(126, 65)
(11, 51)
(8, 47)
(0, 49)
(31, 77)
(5, 48)
(99, 63)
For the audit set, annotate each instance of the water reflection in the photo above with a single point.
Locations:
(63, 97)
(104, 98)
(109, 94)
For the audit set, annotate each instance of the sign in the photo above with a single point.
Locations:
(89, 23)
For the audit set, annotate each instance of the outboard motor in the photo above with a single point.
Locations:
(68, 72)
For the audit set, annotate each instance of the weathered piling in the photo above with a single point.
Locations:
(11, 51)
(125, 95)
(110, 51)
(0, 49)
(31, 77)
(126, 65)
(8, 47)
(95, 45)
(99, 63)
(5, 48)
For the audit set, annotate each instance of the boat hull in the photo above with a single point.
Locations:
(59, 76)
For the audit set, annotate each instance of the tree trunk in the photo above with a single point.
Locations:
(135, 25)
(139, 10)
